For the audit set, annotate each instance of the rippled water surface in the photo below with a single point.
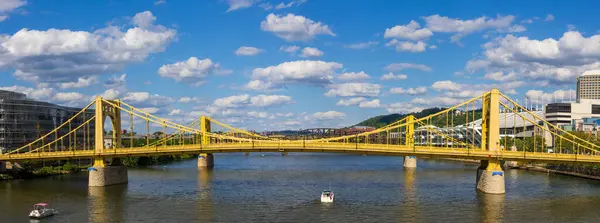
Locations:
(275, 188)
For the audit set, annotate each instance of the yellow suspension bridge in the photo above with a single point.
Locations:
(492, 141)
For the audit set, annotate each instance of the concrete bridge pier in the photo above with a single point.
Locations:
(206, 160)
(410, 162)
(101, 175)
(490, 177)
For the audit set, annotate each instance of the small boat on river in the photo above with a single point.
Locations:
(41, 210)
(327, 196)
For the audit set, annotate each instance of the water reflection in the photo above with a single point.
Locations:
(107, 204)
(205, 207)
(491, 207)
(409, 201)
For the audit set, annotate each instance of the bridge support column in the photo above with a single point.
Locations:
(490, 177)
(101, 175)
(206, 160)
(410, 162)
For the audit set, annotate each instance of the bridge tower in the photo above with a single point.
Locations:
(205, 159)
(410, 161)
(490, 175)
(101, 174)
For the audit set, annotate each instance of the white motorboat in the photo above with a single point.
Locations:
(41, 210)
(327, 196)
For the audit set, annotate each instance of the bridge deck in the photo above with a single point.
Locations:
(371, 149)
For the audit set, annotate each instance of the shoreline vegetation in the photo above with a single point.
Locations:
(30, 170)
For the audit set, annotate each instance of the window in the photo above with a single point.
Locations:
(595, 109)
(558, 107)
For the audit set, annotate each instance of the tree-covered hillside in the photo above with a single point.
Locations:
(382, 120)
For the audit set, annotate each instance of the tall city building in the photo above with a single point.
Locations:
(588, 87)
(23, 120)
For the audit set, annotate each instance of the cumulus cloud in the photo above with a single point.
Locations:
(116, 81)
(57, 56)
(189, 99)
(403, 108)
(111, 94)
(407, 46)
(192, 71)
(38, 93)
(311, 52)
(351, 101)
(289, 49)
(328, 115)
(537, 96)
(549, 17)
(353, 90)
(7, 6)
(363, 45)
(411, 31)
(80, 83)
(294, 27)
(247, 51)
(446, 85)
(244, 100)
(437, 23)
(307, 72)
(370, 104)
(392, 76)
(403, 66)
(239, 4)
(353, 76)
(410, 91)
(145, 99)
(559, 61)
(500, 76)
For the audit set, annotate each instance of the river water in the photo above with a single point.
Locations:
(275, 188)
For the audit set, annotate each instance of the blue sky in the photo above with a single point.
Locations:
(292, 64)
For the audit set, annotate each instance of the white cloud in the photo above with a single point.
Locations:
(392, 76)
(160, 2)
(239, 4)
(500, 76)
(446, 85)
(306, 72)
(351, 101)
(189, 100)
(370, 104)
(353, 90)
(58, 56)
(68, 96)
(80, 83)
(550, 17)
(437, 23)
(516, 29)
(402, 66)
(7, 6)
(537, 96)
(145, 99)
(289, 49)
(192, 71)
(247, 51)
(353, 76)
(256, 114)
(144, 19)
(410, 91)
(116, 81)
(111, 94)
(311, 52)
(411, 31)
(244, 100)
(287, 115)
(289, 4)
(560, 61)
(176, 112)
(406, 46)
(403, 108)
(364, 45)
(294, 28)
(437, 101)
(329, 115)
(151, 110)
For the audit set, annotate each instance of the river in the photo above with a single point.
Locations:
(275, 188)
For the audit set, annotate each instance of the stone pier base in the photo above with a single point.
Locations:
(206, 160)
(490, 177)
(106, 176)
(410, 162)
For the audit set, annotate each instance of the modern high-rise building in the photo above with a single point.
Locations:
(23, 120)
(588, 87)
